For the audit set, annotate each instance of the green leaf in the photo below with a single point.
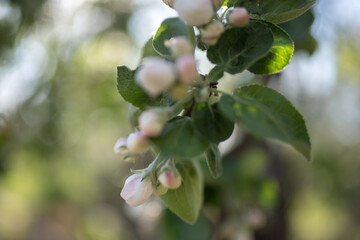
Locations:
(180, 138)
(186, 201)
(169, 28)
(276, 11)
(213, 160)
(211, 123)
(266, 113)
(280, 53)
(238, 48)
(133, 93)
(148, 50)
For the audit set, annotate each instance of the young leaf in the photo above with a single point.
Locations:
(133, 93)
(266, 113)
(148, 50)
(238, 48)
(213, 160)
(169, 28)
(211, 123)
(180, 138)
(280, 53)
(186, 200)
(276, 11)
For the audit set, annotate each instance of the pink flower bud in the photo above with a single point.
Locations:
(170, 179)
(194, 12)
(137, 143)
(238, 17)
(136, 190)
(120, 145)
(121, 149)
(211, 33)
(170, 3)
(186, 66)
(155, 76)
(151, 122)
(179, 46)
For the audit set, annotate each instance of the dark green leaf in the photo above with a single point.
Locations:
(211, 123)
(213, 160)
(169, 28)
(238, 48)
(276, 11)
(186, 201)
(266, 113)
(180, 138)
(133, 93)
(280, 53)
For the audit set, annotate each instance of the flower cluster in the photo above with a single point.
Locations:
(179, 77)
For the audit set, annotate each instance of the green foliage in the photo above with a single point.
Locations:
(171, 27)
(279, 55)
(186, 200)
(276, 11)
(213, 160)
(211, 122)
(180, 138)
(238, 48)
(148, 50)
(267, 114)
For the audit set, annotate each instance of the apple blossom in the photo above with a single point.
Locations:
(211, 33)
(136, 190)
(179, 45)
(151, 122)
(155, 76)
(194, 12)
(186, 65)
(238, 17)
(137, 143)
(121, 149)
(170, 178)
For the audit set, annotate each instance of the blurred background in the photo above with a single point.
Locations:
(60, 115)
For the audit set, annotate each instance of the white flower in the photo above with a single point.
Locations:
(137, 143)
(211, 33)
(179, 45)
(170, 178)
(155, 76)
(151, 122)
(186, 66)
(136, 190)
(238, 17)
(194, 12)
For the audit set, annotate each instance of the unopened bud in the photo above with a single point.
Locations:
(194, 12)
(155, 76)
(160, 190)
(211, 33)
(170, 3)
(151, 122)
(137, 143)
(186, 65)
(170, 178)
(120, 148)
(179, 45)
(136, 190)
(238, 17)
